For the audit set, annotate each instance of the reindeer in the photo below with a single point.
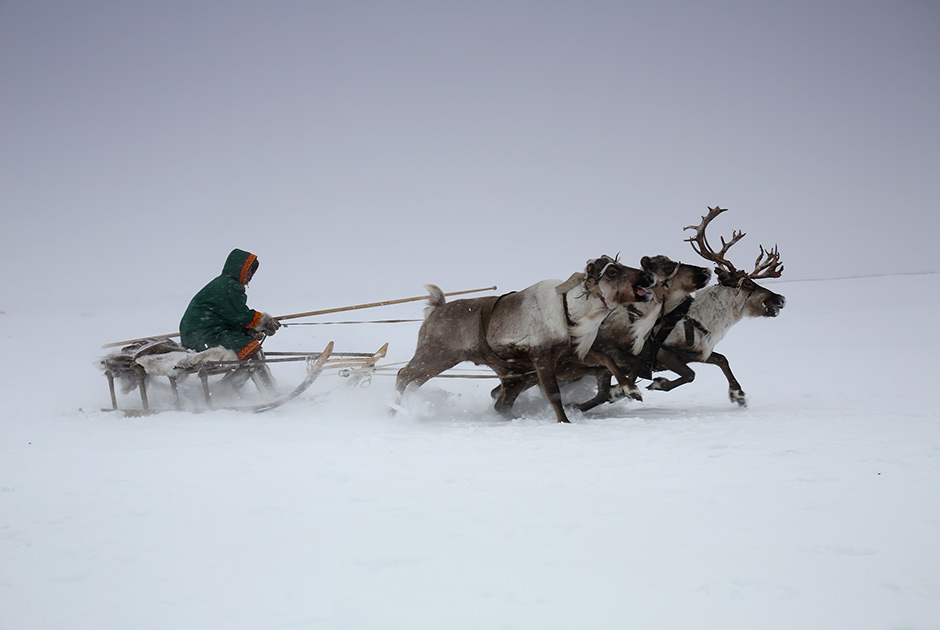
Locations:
(715, 309)
(622, 335)
(515, 331)
(687, 333)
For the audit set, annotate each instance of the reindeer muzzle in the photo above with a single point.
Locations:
(643, 287)
(773, 304)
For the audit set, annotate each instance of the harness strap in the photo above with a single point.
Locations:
(564, 303)
(662, 288)
(570, 283)
(691, 325)
(666, 325)
(486, 313)
(669, 320)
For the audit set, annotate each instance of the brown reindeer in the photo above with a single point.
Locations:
(622, 335)
(529, 328)
(714, 311)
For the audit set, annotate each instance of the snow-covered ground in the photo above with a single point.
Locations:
(818, 506)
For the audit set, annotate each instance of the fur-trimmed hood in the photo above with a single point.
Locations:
(238, 265)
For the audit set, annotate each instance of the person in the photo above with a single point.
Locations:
(218, 315)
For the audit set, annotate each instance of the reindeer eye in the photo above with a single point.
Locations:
(612, 272)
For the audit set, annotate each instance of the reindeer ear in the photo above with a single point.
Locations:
(591, 268)
(645, 263)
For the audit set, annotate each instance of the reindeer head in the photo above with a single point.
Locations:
(761, 302)
(676, 277)
(616, 283)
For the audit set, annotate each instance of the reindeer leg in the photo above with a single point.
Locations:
(528, 380)
(626, 386)
(509, 389)
(675, 364)
(634, 374)
(735, 393)
(603, 390)
(419, 372)
(545, 367)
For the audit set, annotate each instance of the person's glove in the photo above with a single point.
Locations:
(268, 325)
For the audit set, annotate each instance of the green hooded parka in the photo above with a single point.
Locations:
(218, 315)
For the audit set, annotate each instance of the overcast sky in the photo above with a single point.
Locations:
(376, 146)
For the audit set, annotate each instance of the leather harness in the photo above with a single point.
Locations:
(668, 323)
(486, 313)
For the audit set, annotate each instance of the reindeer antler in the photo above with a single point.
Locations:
(767, 265)
(769, 268)
(700, 243)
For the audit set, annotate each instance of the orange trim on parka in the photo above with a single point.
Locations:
(248, 351)
(254, 320)
(246, 267)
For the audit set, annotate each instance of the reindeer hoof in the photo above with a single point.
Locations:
(737, 396)
(657, 383)
(616, 393)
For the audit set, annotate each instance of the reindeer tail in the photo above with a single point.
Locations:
(435, 298)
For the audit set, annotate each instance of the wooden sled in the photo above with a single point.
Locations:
(137, 364)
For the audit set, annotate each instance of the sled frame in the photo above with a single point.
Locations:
(353, 365)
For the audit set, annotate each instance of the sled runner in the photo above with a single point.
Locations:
(221, 374)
